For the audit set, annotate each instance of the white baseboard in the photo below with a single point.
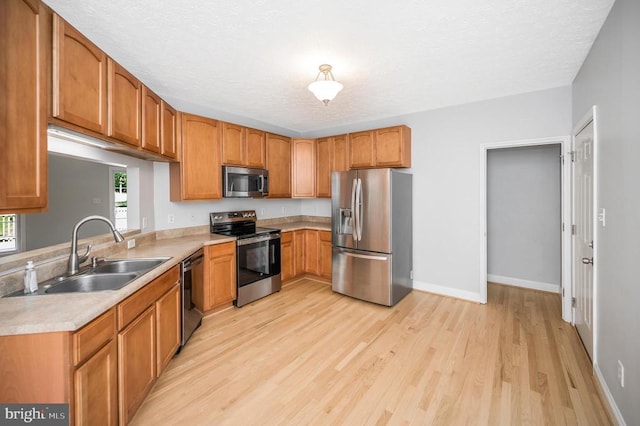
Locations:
(447, 291)
(607, 394)
(517, 282)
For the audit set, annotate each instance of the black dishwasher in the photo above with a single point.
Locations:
(192, 271)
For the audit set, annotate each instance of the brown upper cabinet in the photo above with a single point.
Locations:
(198, 175)
(303, 160)
(168, 131)
(151, 121)
(79, 79)
(387, 147)
(331, 155)
(242, 146)
(279, 165)
(26, 48)
(124, 94)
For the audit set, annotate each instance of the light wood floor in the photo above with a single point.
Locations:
(310, 356)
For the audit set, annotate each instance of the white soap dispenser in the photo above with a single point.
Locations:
(30, 279)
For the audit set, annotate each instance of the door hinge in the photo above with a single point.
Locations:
(562, 159)
(573, 229)
(573, 302)
(573, 156)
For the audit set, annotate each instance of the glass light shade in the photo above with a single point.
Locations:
(325, 90)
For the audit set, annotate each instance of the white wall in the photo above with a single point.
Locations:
(523, 216)
(610, 79)
(194, 213)
(446, 168)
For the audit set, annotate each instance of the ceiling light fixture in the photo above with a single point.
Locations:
(327, 88)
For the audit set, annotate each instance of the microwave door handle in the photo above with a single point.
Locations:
(261, 189)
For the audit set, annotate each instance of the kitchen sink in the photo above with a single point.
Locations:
(118, 266)
(91, 282)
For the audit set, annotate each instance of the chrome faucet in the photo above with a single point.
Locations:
(74, 259)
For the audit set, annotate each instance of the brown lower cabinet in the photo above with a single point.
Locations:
(219, 283)
(103, 370)
(306, 251)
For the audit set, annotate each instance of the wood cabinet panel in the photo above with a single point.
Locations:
(361, 150)
(299, 252)
(279, 165)
(168, 131)
(287, 270)
(220, 271)
(25, 46)
(234, 147)
(198, 175)
(168, 328)
(255, 148)
(79, 79)
(325, 254)
(151, 121)
(123, 104)
(393, 147)
(340, 153)
(94, 335)
(324, 155)
(136, 363)
(303, 159)
(311, 241)
(96, 388)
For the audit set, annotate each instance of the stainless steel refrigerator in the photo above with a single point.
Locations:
(372, 234)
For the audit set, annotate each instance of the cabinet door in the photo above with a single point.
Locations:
(393, 147)
(221, 271)
(233, 145)
(279, 165)
(96, 388)
(361, 150)
(340, 155)
(123, 104)
(168, 131)
(324, 150)
(311, 241)
(303, 158)
(151, 118)
(198, 175)
(255, 148)
(298, 252)
(168, 330)
(79, 79)
(23, 118)
(136, 363)
(325, 257)
(287, 269)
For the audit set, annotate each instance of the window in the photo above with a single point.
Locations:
(119, 180)
(8, 233)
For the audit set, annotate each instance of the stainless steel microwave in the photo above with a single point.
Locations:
(244, 182)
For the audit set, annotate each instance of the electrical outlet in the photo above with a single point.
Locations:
(171, 218)
(262, 211)
(602, 217)
(284, 210)
(97, 201)
(192, 217)
(144, 222)
(620, 373)
(131, 244)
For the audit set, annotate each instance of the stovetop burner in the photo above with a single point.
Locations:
(240, 224)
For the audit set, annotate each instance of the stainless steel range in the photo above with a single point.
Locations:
(257, 254)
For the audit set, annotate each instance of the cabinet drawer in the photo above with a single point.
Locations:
(286, 237)
(135, 304)
(325, 236)
(93, 336)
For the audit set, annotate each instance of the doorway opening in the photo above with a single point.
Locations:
(563, 222)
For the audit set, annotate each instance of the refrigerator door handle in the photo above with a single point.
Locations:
(354, 217)
(366, 256)
(360, 197)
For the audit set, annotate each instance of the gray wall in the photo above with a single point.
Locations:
(73, 185)
(610, 79)
(523, 214)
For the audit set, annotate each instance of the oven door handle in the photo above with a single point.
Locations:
(260, 239)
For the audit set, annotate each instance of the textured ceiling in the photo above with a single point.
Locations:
(255, 58)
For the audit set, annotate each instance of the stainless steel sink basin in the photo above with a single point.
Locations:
(91, 282)
(118, 266)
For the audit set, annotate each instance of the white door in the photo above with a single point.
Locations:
(583, 239)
